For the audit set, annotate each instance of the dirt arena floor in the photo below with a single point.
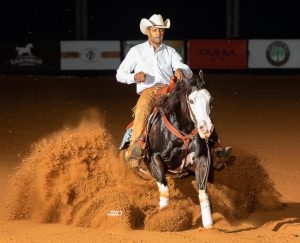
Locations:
(62, 179)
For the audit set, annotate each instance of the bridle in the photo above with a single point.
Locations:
(185, 138)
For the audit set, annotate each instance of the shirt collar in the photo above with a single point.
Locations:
(158, 49)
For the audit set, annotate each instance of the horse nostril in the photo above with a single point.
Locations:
(202, 126)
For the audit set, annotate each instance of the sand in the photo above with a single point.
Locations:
(63, 180)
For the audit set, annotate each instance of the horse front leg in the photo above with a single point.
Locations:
(158, 171)
(201, 174)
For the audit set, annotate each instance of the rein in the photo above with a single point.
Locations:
(185, 138)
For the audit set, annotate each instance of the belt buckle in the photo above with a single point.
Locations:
(158, 86)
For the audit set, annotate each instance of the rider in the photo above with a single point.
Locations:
(150, 65)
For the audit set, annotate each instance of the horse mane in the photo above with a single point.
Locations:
(175, 101)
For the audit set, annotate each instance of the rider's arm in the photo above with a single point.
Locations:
(178, 63)
(125, 71)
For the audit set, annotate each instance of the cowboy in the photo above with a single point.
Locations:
(150, 65)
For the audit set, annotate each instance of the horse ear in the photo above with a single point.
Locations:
(201, 76)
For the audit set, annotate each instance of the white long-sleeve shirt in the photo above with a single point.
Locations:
(158, 65)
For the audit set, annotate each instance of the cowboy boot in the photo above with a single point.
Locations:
(222, 153)
(133, 163)
(221, 157)
(135, 153)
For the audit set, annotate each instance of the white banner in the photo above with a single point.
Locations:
(90, 55)
(274, 54)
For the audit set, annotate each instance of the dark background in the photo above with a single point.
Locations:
(55, 20)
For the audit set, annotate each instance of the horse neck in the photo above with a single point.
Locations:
(180, 118)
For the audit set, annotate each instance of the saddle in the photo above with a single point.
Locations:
(151, 119)
(125, 142)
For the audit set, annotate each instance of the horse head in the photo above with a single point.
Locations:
(198, 100)
(190, 101)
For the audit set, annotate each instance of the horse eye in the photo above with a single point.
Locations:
(191, 101)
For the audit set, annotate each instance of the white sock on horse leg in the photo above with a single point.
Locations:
(205, 210)
(163, 195)
(163, 202)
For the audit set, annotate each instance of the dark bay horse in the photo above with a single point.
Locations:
(177, 140)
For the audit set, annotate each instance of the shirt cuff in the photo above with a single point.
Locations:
(130, 78)
(188, 74)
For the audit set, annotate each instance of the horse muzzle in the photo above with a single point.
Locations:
(205, 131)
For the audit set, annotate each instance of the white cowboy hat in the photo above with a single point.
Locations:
(156, 20)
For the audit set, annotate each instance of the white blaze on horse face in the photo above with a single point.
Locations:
(199, 103)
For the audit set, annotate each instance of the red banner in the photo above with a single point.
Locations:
(217, 54)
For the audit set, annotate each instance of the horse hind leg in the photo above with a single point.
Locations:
(163, 195)
(158, 171)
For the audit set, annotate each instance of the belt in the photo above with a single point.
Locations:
(158, 86)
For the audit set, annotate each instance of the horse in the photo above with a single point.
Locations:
(178, 140)
(25, 51)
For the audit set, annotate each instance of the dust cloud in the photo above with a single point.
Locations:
(77, 176)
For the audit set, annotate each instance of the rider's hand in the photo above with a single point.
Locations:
(140, 77)
(179, 74)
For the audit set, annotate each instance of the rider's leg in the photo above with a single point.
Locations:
(142, 111)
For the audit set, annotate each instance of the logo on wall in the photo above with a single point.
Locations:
(218, 54)
(25, 56)
(278, 53)
(89, 55)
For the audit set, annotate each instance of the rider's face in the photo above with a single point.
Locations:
(155, 35)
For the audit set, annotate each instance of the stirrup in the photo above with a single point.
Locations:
(132, 162)
(134, 156)
(136, 152)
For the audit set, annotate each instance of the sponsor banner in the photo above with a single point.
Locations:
(178, 45)
(31, 56)
(90, 55)
(217, 54)
(274, 54)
